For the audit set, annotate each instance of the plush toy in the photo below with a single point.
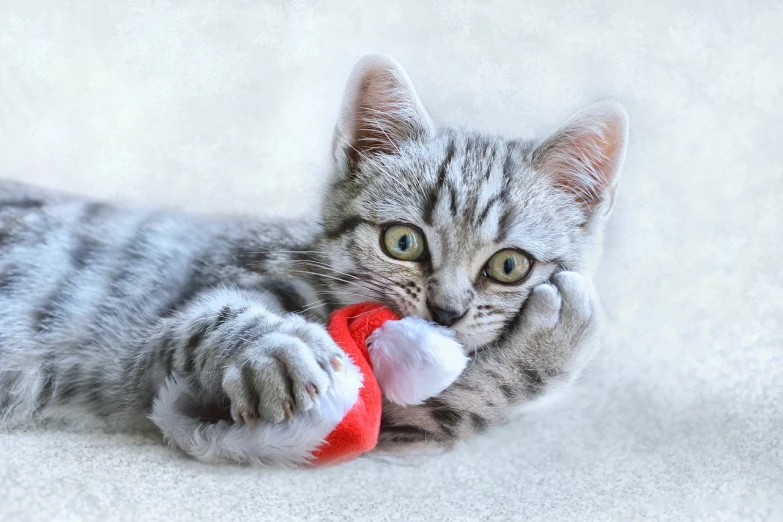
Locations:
(404, 360)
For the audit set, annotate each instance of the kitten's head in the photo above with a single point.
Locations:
(457, 226)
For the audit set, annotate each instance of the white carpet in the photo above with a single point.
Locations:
(228, 106)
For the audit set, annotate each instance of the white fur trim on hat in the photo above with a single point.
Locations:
(414, 359)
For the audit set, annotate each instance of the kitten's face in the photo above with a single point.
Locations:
(451, 226)
(464, 199)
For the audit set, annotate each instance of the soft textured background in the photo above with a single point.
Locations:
(223, 106)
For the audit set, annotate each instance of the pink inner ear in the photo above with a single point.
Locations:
(381, 109)
(378, 128)
(585, 156)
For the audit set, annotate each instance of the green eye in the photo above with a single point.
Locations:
(403, 242)
(508, 266)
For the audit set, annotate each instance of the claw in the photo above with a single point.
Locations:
(336, 363)
(248, 418)
(312, 390)
(287, 408)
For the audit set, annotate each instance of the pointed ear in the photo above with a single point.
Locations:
(380, 110)
(585, 155)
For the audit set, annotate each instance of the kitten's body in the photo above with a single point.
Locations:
(86, 285)
(102, 303)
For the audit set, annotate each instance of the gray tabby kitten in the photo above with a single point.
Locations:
(483, 234)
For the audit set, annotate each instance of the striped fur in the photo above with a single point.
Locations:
(101, 304)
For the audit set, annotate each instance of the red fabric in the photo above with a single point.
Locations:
(358, 432)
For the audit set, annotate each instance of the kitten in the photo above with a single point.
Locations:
(486, 235)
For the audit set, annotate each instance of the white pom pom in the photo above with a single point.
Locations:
(414, 359)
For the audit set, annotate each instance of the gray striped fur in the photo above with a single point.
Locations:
(101, 303)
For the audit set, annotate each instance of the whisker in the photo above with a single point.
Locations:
(278, 251)
(313, 305)
(321, 264)
(389, 280)
(365, 285)
(346, 292)
(362, 314)
(333, 269)
(328, 276)
(366, 282)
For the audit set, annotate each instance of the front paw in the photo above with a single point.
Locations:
(562, 317)
(281, 372)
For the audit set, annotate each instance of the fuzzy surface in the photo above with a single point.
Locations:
(414, 359)
(221, 108)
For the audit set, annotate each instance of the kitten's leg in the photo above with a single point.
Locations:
(233, 346)
(554, 338)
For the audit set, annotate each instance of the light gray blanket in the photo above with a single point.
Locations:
(228, 106)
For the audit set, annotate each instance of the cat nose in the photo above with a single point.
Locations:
(444, 316)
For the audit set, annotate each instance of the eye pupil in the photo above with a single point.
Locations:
(404, 243)
(509, 264)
